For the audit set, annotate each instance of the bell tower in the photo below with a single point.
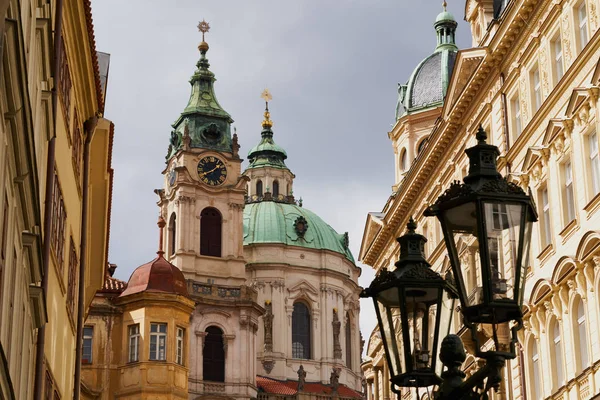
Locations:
(203, 202)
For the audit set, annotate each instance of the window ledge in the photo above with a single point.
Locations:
(568, 230)
(591, 207)
(546, 253)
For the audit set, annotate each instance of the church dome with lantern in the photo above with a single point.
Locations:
(427, 85)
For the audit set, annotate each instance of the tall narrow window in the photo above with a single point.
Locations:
(558, 58)
(59, 219)
(172, 233)
(72, 277)
(536, 386)
(213, 363)
(568, 190)
(134, 343)
(546, 229)
(88, 337)
(594, 162)
(581, 332)
(537, 89)
(3, 253)
(559, 374)
(516, 114)
(301, 331)
(348, 341)
(158, 342)
(582, 16)
(275, 189)
(403, 161)
(259, 188)
(180, 337)
(210, 232)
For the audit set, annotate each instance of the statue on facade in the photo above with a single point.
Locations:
(301, 378)
(268, 322)
(337, 347)
(334, 379)
(235, 145)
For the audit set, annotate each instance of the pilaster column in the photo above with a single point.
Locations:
(376, 370)
(369, 390)
(386, 381)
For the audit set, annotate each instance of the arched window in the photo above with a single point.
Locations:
(275, 188)
(210, 232)
(301, 331)
(536, 385)
(213, 363)
(259, 188)
(581, 336)
(403, 161)
(172, 233)
(557, 355)
(348, 342)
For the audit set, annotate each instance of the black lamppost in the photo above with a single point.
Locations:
(489, 219)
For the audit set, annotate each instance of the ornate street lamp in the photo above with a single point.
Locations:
(414, 305)
(487, 225)
(487, 221)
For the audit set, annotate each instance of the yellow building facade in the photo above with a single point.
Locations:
(136, 336)
(531, 80)
(56, 146)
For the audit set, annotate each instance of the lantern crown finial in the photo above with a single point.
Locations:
(481, 135)
(412, 225)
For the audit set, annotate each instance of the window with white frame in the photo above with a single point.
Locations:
(545, 225)
(536, 387)
(88, 337)
(594, 162)
(582, 22)
(536, 87)
(557, 55)
(180, 337)
(557, 353)
(581, 332)
(158, 342)
(515, 107)
(134, 343)
(569, 192)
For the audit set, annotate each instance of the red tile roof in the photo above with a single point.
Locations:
(288, 387)
(158, 275)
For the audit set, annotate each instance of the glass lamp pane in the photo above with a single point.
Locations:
(447, 306)
(386, 303)
(525, 261)
(461, 224)
(503, 228)
(418, 302)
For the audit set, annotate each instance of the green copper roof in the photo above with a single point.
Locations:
(267, 153)
(206, 122)
(292, 225)
(445, 16)
(428, 83)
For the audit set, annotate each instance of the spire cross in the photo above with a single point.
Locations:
(203, 27)
(266, 95)
(444, 4)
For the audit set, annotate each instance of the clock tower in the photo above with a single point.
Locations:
(202, 202)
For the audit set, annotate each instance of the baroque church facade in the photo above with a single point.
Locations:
(251, 295)
(531, 79)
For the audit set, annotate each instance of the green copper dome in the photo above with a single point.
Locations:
(445, 16)
(428, 83)
(292, 225)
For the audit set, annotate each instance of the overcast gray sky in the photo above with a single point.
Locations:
(332, 66)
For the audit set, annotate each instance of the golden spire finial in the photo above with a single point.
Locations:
(203, 27)
(444, 4)
(266, 95)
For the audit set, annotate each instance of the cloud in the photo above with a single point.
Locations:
(333, 69)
